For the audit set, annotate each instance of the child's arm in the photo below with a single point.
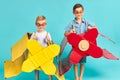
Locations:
(71, 31)
(48, 38)
(89, 27)
(33, 36)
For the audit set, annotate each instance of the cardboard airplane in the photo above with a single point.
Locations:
(28, 55)
(82, 45)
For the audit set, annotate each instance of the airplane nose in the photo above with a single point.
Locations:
(83, 45)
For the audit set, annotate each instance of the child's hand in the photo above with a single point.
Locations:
(35, 37)
(48, 40)
(47, 37)
(72, 31)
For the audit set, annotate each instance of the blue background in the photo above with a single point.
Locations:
(18, 17)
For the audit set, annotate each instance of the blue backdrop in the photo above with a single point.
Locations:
(18, 17)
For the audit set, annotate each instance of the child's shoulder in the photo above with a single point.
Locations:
(86, 20)
(46, 33)
(71, 22)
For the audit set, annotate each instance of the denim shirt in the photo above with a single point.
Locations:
(80, 28)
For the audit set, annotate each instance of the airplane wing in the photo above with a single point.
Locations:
(62, 45)
(108, 55)
(64, 65)
(19, 48)
(13, 68)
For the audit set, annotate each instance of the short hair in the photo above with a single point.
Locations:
(78, 5)
(39, 18)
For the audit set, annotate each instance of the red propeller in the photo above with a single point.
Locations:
(84, 45)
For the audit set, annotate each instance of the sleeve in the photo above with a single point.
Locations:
(69, 27)
(89, 23)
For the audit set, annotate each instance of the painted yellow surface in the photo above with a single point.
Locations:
(19, 48)
(41, 57)
(13, 68)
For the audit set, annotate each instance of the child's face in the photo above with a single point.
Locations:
(78, 12)
(41, 24)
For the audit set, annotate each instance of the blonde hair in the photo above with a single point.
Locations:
(40, 18)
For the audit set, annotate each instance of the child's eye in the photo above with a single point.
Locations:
(78, 12)
(38, 24)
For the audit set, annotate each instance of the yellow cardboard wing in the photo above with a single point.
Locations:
(13, 68)
(19, 48)
(41, 57)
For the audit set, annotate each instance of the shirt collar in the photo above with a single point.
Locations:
(83, 20)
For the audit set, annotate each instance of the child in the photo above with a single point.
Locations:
(79, 25)
(42, 36)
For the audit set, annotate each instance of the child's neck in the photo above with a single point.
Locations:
(41, 31)
(79, 20)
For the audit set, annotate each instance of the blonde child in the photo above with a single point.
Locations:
(42, 36)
